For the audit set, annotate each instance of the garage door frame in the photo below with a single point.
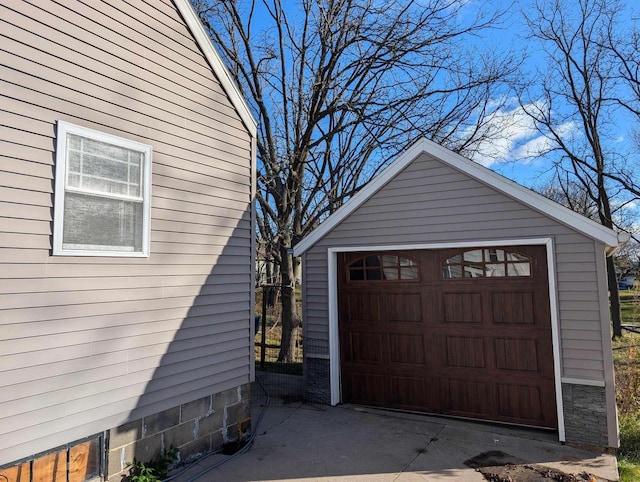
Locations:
(334, 340)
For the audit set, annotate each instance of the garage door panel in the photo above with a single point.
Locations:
(513, 307)
(527, 404)
(467, 398)
(364, 347)
(465, 351)
(365, 388)
(405, 307)
(363, 307)
(413, 393)
(516, 354)
(462, 307)
(407, 349)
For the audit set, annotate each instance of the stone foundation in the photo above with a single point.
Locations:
(318, 382)
(195, 428)
(585, 415)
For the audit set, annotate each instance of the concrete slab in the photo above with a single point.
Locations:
(303, 441)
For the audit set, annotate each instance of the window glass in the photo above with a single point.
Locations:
(475, 255)
(489, 263)
(383, 267)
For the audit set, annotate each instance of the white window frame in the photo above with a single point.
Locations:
(61, 159)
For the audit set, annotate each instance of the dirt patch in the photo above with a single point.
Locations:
(497, 466)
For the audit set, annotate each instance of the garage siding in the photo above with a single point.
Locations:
(429, 202)
(91, 342)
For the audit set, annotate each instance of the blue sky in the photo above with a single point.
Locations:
(514, 156)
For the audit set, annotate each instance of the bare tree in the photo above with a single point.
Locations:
(338, 87)
(574, 101)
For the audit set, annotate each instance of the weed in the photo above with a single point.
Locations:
(154, 470)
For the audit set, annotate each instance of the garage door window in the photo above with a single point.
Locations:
(383, 268)
(487, 263)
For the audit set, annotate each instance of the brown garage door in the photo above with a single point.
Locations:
(462, 332)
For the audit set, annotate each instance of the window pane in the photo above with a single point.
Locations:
(473, 271)
(390, 273)
(452, 271)
(372, 261)
(516, 257)
(519, 269)
(92, 222)
(356, 274)
(104, 168)
(494, 269)
(388, 261)
(493, 255)
(407, 262)
(474, 256)
(457, 259)
(358, 264)
(409, 273)
(374, 274)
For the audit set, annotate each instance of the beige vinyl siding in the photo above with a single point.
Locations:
(429, 203)
(88, 342)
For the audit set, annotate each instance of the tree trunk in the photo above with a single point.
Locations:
(289, 315)
(614, 298)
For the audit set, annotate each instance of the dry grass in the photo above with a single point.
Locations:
(273, 334)
(626, 356)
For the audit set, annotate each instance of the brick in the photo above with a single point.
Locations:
(146, 449)
(238, 412)
(222, 399)
(179, 435)
(196, 409)
(245, 391)
(195, 449)
(118, 459)
(217, 440)
(210, 424)
(161, 421)
(125, 434)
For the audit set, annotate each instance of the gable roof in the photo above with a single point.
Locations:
(486, 176)
(217, 65)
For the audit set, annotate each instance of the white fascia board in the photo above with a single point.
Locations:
(215, 61)
(486, 176)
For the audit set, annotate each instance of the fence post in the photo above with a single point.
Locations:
(264, 326)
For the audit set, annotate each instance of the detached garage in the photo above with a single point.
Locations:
(444, 288)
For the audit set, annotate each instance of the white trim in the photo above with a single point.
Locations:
(334, 341)
(215, 61)
(554, 310)
(424, 146)
(59, 249)
(583, 381)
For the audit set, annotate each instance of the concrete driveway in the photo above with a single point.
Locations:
(302, 441)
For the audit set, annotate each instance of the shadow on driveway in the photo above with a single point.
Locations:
(302, 441)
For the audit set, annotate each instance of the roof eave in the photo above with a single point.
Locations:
(608, 237)
(217, 65)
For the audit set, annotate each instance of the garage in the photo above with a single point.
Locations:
(444, 288)
(461, 332)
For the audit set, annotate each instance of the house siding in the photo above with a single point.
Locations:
(91, 343)
(430, 202)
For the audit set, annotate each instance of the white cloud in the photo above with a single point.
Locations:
(510, 135)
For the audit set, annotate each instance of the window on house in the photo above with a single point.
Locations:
(487, 263)
(383, 267)
(102, 194)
